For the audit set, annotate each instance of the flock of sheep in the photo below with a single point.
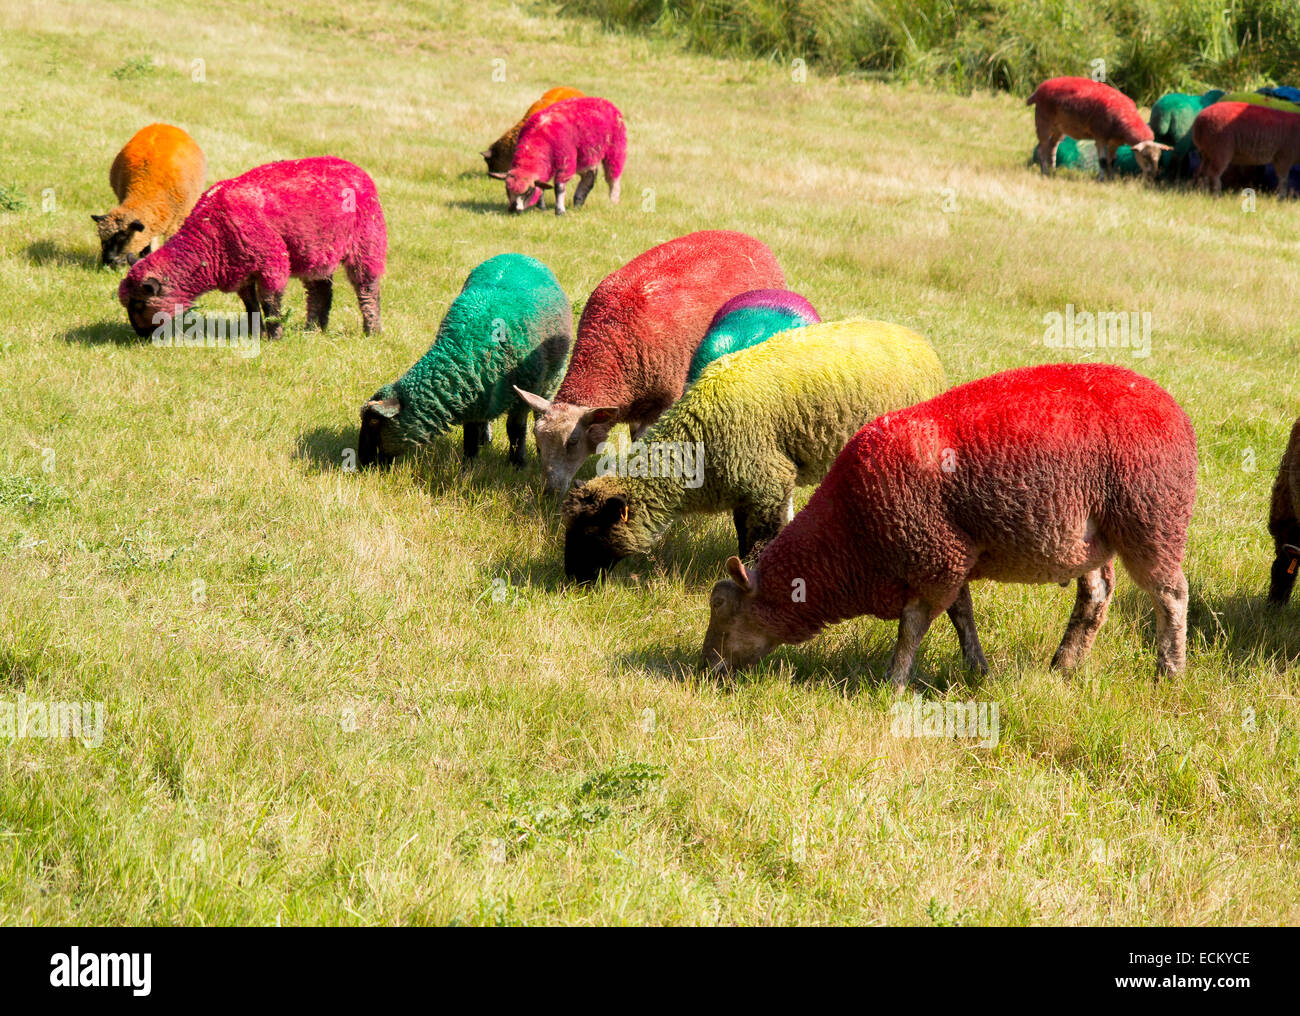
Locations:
(734, 390)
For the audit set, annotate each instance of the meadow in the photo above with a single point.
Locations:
(370, 697)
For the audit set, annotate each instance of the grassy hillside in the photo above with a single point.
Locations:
(1145, 47)
(338, 697)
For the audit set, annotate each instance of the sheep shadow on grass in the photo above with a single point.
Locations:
(1246, 626)
(45, 253)
(117, 333)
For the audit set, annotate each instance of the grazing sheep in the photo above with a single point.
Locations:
(635, 340)
(501, 151)
(747, 320)
(1260, 99)
(1085, 109)
(1041, 474)
(1282, 522)
(1283, 92)
(754, 426)
(511, 324)
(1172, 116)
(157, 177)
(573, 137)
(249, 235)
(1244, 134)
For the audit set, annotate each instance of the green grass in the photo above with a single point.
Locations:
(1145, 47)
(370, 698)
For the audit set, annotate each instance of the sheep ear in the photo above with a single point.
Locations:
(496, 176)
(387, 408)
(136, 226)
(98, 218)
(486, 154)
(614, 508)
(736, 569)
(605, 416)
(150, 286)
(535, 402)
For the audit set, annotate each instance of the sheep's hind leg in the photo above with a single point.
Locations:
(1171, 625)
(517, 435)
(320, 294)
(585, 184)
(248, 296)
(368, 301)
(1094, 593)
(962, 615)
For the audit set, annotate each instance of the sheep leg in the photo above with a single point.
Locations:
(615, 186)
(248, 296)
(559, 196)
(760, 529)
(517, 435)
(1090, 602)
(320, 294)
(913, 623)
(962, 615)
(587, 181)
(477, 434)
(368, 301)
(1285, 530)
(1282, 578)
(1170, 600)
(1283, 171)
(271, 312)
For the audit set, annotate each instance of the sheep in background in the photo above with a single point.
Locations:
(157, 177)
(573, 137)
(1085, 109)
(502, 150)
(1244, 134)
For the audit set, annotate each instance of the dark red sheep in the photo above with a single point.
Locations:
(1084, 109)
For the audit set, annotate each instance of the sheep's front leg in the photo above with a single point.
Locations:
(962, 615)
(585, 184)
(477, 434)
(559, 196)
(912, 626)
(517, 436)
(320, 294)
(248, 296)
(271, 312)
(1095, 589)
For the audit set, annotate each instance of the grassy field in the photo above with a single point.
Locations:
(370, 698)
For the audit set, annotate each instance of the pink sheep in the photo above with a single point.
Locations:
(1083, 109)
(249, 235)
(570, 138)
(1041, 474)
(1244, 134)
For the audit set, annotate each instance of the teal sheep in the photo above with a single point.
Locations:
(748, 319)
(510, 325)
(1172, 116)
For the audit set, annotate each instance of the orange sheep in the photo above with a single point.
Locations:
(157, 178)
(503, 149)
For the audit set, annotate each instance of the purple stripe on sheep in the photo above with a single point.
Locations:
(249, 235)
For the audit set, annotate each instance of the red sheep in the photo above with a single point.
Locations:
(1041, 474)
(573, 137)
(636, 337)
(1083, 109)
(1245, 134)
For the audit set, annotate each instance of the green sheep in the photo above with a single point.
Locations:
(510, 325)
(755, 425)
(1171, 120)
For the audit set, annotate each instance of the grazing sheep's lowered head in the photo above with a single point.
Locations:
(381, 441)
(567, 436)
(523, 190)
(119, 239)
(728, 644)
(1147, 154)
(599, 511)
(146, 295)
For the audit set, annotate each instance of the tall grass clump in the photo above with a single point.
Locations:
(1147, 47)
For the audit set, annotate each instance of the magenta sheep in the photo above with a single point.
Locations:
(573, 137)
(249, 235)
(636, 336)
(1245, 134)
(1083, 109)
(1041, 474)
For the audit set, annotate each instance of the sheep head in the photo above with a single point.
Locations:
(735, 639)
(375, 444)
(1147, 154)
(146, 296)
(121, 239)
(566, 435)
(597, 534)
